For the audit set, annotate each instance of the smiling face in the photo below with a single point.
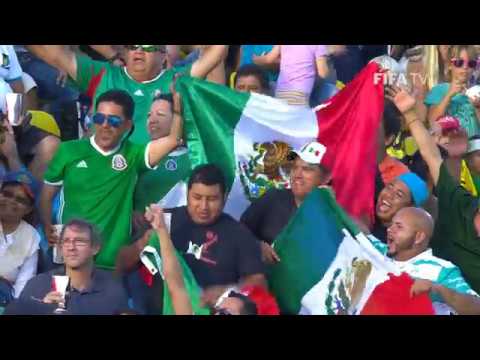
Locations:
(159, 121)
(392, 198)
(304, 177)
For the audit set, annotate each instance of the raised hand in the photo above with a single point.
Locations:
(404, 101)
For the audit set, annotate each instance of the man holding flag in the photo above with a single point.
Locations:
(267, 216)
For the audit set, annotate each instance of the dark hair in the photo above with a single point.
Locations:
(121, 98)
(83, 225)
(165, 97)
(249, 307)
(254, 70)
(391, 119)
(208, 174)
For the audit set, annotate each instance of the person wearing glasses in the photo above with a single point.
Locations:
(449, 98)
(99, 173)
(143, 76)
(90, 291)
(19, 241)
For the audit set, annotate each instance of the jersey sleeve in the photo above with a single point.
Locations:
(142, 159)
(15, 72)
(89, 71)
(55, 172)
(452, 278)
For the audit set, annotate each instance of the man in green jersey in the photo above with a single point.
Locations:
(457, 232)
(142, 76)
(99, 173)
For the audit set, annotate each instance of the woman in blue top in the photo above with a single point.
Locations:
(449, 98)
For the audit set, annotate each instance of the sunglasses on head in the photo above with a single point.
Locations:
(472, 64)
(113, 120)
(146, 48)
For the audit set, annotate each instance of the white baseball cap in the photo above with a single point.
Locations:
(312, 153)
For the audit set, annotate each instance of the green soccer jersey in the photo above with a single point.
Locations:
(152, 186)
(96, 77)
(98, 187)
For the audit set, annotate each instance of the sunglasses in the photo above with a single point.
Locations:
(458, 63)
(146, 48)
(18, 199)
(113, 120)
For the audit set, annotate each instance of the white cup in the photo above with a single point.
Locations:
(14, 108)
(61, 284)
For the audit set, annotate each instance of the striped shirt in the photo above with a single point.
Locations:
(429, 267)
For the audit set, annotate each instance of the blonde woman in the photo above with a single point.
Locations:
(448, 98)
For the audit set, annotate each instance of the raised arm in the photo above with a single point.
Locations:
(425, 142)
(172, 271)
(159, 148)
(270, 60)
(58, 56)
(211, 57)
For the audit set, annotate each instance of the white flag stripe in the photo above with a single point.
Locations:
(266, 119)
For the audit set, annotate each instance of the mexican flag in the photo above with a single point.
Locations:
(329, 267)
(250, 135)
(152, 261)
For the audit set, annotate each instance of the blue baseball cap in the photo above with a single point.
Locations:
(418, 188)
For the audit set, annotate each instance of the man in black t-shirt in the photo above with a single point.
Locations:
(220, 251)
(267, 216)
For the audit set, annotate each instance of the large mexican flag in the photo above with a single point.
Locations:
(329, 267)
(250, 135)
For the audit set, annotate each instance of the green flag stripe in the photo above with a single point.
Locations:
(220, 109)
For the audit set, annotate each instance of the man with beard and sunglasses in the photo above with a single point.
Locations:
(99, 174)
(142, 78)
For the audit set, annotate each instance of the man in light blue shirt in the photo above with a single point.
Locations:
(408, 239)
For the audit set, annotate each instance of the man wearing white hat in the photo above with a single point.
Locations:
(267, 216)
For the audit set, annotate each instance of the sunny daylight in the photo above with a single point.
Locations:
(250, 180)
